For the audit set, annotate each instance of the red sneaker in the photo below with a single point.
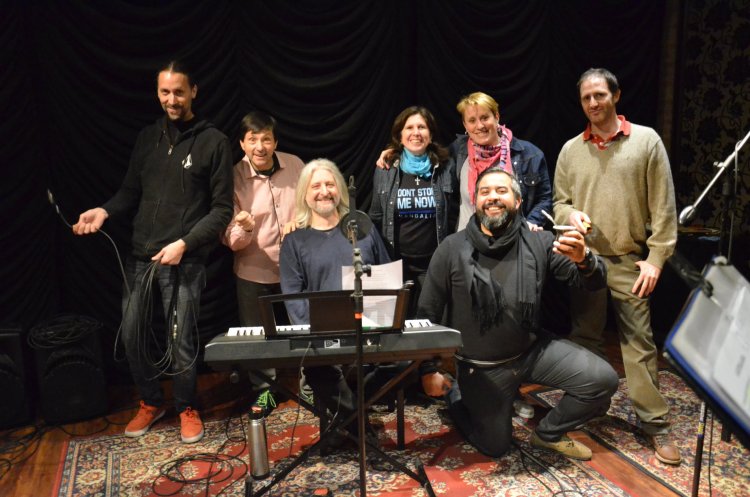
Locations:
(191, 426)
(144, 418)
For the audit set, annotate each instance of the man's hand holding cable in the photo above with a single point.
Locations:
(90, 221)
(171, 255)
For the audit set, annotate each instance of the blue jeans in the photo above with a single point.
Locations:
(180, 287)
(484, 410)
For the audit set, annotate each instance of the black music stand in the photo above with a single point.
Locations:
(709, 345)
(324, 330)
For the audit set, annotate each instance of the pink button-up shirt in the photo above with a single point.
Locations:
(270, 199)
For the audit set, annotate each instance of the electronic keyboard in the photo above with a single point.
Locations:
(248, 348)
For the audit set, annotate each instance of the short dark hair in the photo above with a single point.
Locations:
(437, 152)
(515, 186)
(257, 121)
(600, 72)
(180, 67)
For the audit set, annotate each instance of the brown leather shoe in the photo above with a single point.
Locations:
(664, 449)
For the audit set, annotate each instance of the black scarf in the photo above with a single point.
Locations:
(486, 293)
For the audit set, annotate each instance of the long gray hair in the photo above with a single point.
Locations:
(303, 218)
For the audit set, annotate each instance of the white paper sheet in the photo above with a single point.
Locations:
(378, 311)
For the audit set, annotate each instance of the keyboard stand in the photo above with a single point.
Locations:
(420, 476)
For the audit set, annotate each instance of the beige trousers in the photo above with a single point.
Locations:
(589, 316)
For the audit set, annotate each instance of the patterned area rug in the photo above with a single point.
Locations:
(618, 432)
(117, 465)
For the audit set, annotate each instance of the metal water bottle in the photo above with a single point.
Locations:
(258, 446)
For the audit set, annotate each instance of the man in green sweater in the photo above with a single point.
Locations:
(612, 181)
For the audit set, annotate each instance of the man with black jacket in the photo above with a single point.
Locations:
(179, 182)
(486, 281)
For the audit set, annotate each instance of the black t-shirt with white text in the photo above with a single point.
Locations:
(415, 217)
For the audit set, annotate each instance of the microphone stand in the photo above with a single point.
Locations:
(358, 297)
(688, 213)
(360, 268)
(685, 219)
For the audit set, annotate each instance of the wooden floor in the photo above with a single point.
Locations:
(34, 472)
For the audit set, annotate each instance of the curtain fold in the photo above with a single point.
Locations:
(79, 83)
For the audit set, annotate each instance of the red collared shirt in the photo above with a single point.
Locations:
(602, 143)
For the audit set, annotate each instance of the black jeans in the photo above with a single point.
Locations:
(183, 284)
(249, 315)
(485, 408)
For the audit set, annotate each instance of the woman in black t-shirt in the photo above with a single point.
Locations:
(412, 203)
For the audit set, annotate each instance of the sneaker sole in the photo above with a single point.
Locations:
(193, 439)
(144, 430)
(672, 462)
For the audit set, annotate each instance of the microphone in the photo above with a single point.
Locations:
(358, 220)
(687, 215)
(354, 219)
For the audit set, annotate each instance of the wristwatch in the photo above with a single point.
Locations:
(586, 258)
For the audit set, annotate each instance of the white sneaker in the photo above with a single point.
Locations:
(523, 409)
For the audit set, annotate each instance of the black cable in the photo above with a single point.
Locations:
(164, 363)
(62, 330)
(51, 199)
(159, 354)
(528, 471)
(16, 444)
(562, 491)
(299, 396)
(107, 424)
(172, 470)
(13, 447)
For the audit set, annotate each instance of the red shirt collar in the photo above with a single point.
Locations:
(603, 143)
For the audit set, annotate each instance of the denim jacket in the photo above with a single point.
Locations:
(530, 169)
(385, 193)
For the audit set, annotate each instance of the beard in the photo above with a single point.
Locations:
(177, 112)
(324, 209)
(499, 222)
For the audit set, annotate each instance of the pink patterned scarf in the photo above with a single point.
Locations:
(483, 157)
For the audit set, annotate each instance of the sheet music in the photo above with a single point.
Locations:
(378, 311)
(732, 365)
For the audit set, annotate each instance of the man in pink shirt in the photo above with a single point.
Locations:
(265, 182)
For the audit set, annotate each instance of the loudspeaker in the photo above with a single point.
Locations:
(70, 375)
(15, 409)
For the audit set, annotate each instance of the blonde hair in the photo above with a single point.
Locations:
(303, 218)
(478, 98)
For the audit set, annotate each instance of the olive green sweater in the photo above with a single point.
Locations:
(622, 189)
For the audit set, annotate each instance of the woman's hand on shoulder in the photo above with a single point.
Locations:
(288, 228)
(385, 156)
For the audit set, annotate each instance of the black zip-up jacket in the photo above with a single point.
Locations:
(385, 193)
(181, 190)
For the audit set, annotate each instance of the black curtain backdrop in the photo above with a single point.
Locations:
(78, 83)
